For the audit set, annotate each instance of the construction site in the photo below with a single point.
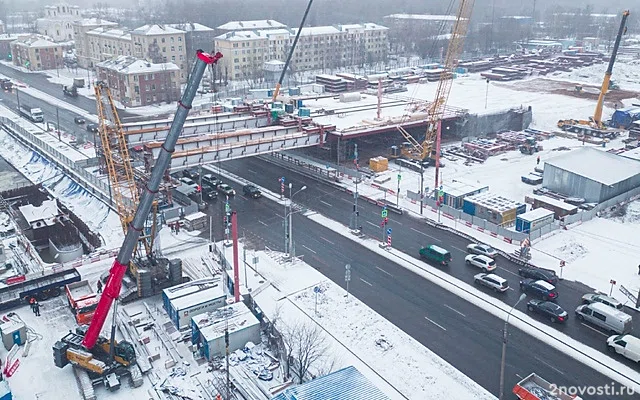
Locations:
(175, 315)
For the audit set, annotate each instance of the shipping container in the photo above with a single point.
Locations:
(456, 191)
(494, 208)
(184, 301)
(532, 220)
(304, 112)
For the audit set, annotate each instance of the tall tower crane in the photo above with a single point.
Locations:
(430, 147)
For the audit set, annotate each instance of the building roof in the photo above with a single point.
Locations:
(256, 24)
(191, 27)
(187, 288)
(347, 383)
(47, 211)
(154, 30)
(234, 317)
(112, 33)
(493, 201)
(130, 66)
(35, 41)
(5, 37)
(459, 188)
(199, 297)
(317, 30)
(596, 165)
(427, 17)
(535, 215)
(269, 32)
(240, 36)
(94, 22)
(553, 202)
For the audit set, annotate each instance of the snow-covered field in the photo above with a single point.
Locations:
(626, 73)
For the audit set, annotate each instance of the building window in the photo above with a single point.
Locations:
(146, 88)
(153, 87)
(137, 89)
(172, 39)
(235, 45)
(179, 38)
(162, 40)
(173, 58)
(179, 48)
(173, 48)
(164, 49)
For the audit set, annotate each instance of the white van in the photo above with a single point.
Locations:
(627, 345)
(605, 317)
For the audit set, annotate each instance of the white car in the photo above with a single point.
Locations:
(485, 263)
(482, 249)
(601, 298)
(495, 282)
(189, 182)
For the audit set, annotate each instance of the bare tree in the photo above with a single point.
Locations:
(305, 348)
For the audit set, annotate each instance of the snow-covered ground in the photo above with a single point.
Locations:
(626, 73)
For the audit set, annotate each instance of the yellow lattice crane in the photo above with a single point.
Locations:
(435, 112)
(118, 165)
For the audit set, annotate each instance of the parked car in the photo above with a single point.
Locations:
(541, 289)
(627, 345)
(191, 173)
(539, 274)
(548, 309)
(492, 281)
(483, 262)
(189, 182)
(605, 317)
(226, 189)
(93, 128)
(211, 180)
(251, 191)
(435, 253)
(79, 120)
(601, 298)
(209, 193)
(482, 249)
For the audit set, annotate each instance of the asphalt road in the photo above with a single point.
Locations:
(461, 333)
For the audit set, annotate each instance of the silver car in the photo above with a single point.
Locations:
(492, 281)
(601, 298)
(482, 249)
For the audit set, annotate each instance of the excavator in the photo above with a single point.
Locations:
(86, 348)
(595, 126)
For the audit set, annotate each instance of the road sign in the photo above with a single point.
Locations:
(389, 231)
(227, 208)
(389, 240)
(612, 282)
(384, 213)
(399, 177)
(347, 275)
(316, 289)
(281, 180)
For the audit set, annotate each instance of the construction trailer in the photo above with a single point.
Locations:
(182, 307)
(456, 191)
(493, 208)
(208, 330)
(559, 207)
(534, 219)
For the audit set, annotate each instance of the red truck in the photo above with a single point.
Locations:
(82, 300)
(533, 387)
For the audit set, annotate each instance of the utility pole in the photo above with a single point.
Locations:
(421, 191)
(58, 123)
(355, 196)
(18, 96)
(398, 191)
(226, 343)
(286, 228)
(200, 183)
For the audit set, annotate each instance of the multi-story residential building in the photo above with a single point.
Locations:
(197, 37)
(58, 20)
(80, 29)
(36, 53)
(135, 82)
(261, 24)
(107, 43)
(161, 44)
(5, 45)
(319, 47)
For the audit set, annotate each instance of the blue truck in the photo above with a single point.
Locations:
(21, 289)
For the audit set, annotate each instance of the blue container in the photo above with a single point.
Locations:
(521, 209)
(300, 105)
(294, 92)
(288, 108)
(304, 112)
(469, 207)
(5, 391)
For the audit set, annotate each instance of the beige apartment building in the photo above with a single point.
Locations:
(36, 53)
(318, 48)
(80, 29)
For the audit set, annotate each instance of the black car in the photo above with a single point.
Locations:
(191, 173)
(93, 128)
(539, 274)
(210, 180)
(209, 193)
(539, 288)
(548, 309)
(251, 191)
(79, 120)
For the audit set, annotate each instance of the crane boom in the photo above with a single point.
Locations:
(114, 282)
(597, 115)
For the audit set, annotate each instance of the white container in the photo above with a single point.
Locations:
(350, 97)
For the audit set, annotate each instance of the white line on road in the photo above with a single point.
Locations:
(252, 171)
(371, 223)
(549, 365)
(327, 240)
(593, 329)
(279, 216)
(459, 249)
(436, 324)
(422, 233)
(384, 271)
(510, 288)
(366, 282)
(396, 222)
(309, 249)
(263, 223)
(326, 204)
(507, 271)
(454, 310)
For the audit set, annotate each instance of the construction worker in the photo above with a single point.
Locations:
(32, 302)
(99, 286)
(538, 161)
(36, 308)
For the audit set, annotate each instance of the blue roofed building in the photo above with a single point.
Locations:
(345, 384)
(624, 117)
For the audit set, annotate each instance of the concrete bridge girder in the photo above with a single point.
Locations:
(196, 119)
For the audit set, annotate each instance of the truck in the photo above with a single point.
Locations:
(6, 84)
(35, 114)
(82, 300)
(533, 387)
(71, 91)
(20, 289)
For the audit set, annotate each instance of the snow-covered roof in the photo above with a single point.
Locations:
(428, 17)
(131, 65)
(112, 33)
(191, 27)
(596, 165)
(234, 317)
(35, 41)
(188, 288)
(198, 297)
(154, 30)
(94, 22)
(257, 24)
(347, 383)
(553, 202)
(459, 188)
(47, 212)
(317, 30)
(535, 215)
(240, 36)
(9, 37)
(493, 201)
(269, 32)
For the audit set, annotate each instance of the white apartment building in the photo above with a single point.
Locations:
(318, 47)
(80, 29)
(58, 22)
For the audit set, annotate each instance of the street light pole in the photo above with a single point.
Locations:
(355, 205)
(291, 255)
(504, 345)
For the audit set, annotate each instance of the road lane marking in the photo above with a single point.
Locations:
(279, 216)
(326, 204)
(422, 233)
(263, 223)
(366, 282)
(459, 249)
(436, 324)
(252, 171)
(510, 288)
(594, 329)
(455, 311)
(327, 240)
(549, 365)
(384, 271)
(396, 222)
(506, 270)
(371, 223)
(309, 249)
